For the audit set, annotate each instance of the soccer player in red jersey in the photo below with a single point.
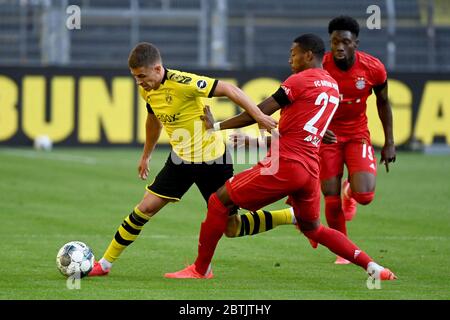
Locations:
(307, 99)
(357, 74)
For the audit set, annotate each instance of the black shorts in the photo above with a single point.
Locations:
(177, 176)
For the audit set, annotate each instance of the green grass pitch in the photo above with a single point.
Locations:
(48, 199)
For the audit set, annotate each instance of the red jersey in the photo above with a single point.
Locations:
(314, 98)
(355, 86)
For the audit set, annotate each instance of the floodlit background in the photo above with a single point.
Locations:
(414, 35)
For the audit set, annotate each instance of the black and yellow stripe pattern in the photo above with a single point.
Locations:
(251, 222)
(126, 234)
(254, 222)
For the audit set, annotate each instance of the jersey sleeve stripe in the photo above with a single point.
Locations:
(213, 88)
(149, 108)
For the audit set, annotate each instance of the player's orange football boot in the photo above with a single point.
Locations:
(348, 203)
(340, 260)
(189, 273)
(97, 270)
(378, 272)
(387, 274)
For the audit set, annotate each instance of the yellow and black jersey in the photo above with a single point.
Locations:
(178, 104)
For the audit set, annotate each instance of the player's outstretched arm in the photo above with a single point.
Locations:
(152, 132)
(385, 113)
(240, 140)
(268, 107)
(240, 98)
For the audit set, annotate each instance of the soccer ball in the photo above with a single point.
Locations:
(75, 258)
(43, 143)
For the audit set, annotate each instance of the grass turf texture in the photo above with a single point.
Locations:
(48, 199)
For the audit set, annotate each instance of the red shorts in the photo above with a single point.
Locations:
(357, 154)
(252, 190)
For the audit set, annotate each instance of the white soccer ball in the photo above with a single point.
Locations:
(43, 143)
(75, 258)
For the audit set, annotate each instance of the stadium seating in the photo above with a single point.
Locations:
(259, 31)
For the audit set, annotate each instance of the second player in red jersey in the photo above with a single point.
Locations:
(313, 95)
(357, 74)
(355, 86)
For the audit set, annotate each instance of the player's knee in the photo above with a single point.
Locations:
(329, 189)
(147, 209)
(363, 198)
(310, 228)
(149, 213)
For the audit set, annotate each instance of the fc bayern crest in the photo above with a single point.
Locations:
(360, 83)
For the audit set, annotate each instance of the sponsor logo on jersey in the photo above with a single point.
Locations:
(167, 118)
(360, 83)
(313, 139)
(179, 78)
(201, 84)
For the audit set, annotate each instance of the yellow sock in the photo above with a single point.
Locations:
(260, 221)
(126, 234)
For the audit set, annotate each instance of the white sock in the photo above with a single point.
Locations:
(374, 270)
(294, 221)
(105, 264)
(208, 270)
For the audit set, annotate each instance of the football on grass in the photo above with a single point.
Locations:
(75, 258)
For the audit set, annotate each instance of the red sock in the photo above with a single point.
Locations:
(211, 231)
(341, 245)
(333, 212)
(362, 197)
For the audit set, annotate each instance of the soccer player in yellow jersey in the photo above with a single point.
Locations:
(174, 101)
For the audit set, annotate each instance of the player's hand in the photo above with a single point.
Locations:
(241, 140)
(207, 118)
(143, 167)
(387, 155)
(329, 137)
(266, 122)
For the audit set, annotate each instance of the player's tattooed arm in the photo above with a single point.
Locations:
(268, 107)
(240, 140)
(236, 95)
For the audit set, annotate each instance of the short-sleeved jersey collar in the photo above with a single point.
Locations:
(164, 76)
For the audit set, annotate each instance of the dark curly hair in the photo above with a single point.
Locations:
(312, 42)
(344, 23)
